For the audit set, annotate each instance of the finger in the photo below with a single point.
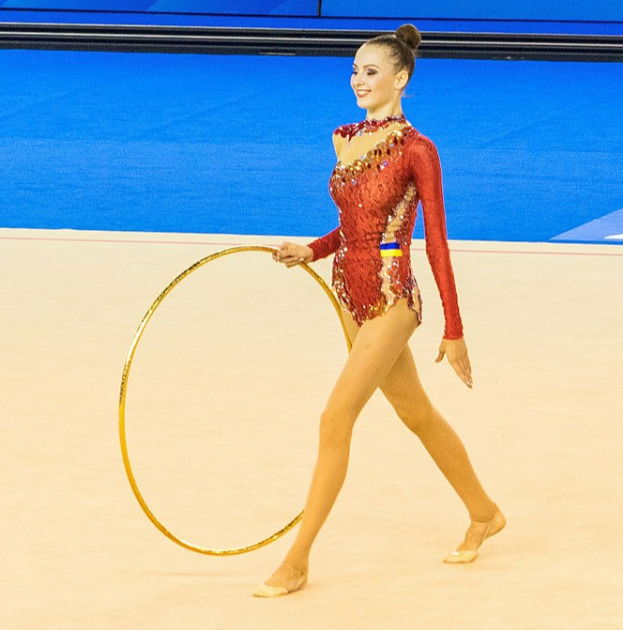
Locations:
(461, 371)
(467, 369)
(466, 377)
(439, 356)
(463, 363)
(463, 376)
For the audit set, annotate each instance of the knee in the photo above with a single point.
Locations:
(417, 418)
(336, 426)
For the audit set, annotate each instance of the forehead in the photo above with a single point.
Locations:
(371, 55)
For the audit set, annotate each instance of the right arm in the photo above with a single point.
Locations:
(327, 244)
(291, 253)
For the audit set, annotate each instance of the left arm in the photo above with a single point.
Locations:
(426, 173)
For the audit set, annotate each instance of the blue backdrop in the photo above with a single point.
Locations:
(236, 7)
(234, 144)
(479, 9)
(607, 10)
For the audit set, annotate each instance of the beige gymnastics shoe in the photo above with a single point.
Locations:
(493, 526)
(297, 583)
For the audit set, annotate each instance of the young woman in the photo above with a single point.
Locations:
(385, 169)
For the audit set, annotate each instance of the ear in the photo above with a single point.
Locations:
(401, 79)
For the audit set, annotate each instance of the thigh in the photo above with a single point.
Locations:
(376, 346)
(351, 326)
(403, 389)
(401, 386)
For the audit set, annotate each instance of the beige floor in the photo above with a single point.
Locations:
(222, 412)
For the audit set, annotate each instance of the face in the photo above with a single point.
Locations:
(374, 79)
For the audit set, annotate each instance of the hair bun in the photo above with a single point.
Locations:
(410, 35)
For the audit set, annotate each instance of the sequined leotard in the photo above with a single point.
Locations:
(377, 198)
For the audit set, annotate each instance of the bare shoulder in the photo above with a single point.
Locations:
(339, 142)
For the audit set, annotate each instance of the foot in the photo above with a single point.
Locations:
(286, 579)
(476, 533)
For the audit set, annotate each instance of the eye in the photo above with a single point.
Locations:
(370, 72)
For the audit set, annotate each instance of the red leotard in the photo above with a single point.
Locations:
(377, 198)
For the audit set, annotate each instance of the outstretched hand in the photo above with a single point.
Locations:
(291, 254)
(456, 351)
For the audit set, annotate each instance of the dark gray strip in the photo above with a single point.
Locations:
(228, 40)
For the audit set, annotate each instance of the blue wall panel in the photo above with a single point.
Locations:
(242, 145)
(235, 7)
(608, 10)
(552, 10)
(604, 10)
(80, 5)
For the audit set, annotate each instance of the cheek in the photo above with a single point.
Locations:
(386, 83)
(379, 83)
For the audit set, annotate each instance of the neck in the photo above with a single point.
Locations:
(384, 112)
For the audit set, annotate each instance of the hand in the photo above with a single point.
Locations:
(291, 254)
(457, 357)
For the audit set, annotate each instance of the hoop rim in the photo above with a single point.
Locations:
(124, 389)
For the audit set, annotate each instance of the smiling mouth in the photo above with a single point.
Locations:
(362, 92)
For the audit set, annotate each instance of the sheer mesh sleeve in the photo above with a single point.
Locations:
(426, 173)
(326, 244)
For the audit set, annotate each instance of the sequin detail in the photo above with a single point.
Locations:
(376, 158)
(377, 197)
(368, 126)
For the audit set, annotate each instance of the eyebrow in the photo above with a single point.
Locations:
(368, 65)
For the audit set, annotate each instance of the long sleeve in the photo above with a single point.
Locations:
(426, 173)
(326, 244)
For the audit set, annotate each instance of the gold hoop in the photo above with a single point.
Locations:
(124, 388)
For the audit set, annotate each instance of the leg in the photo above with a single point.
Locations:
(378, 343)
(404, 391)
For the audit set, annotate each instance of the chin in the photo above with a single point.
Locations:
(363, 103)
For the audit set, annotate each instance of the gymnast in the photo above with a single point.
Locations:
(385, 168)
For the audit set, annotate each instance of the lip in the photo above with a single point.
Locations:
(362, 93)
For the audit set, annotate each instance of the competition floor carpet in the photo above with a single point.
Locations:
(222, 419)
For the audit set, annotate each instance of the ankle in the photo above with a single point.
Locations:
(484, 516)
(298, 563)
